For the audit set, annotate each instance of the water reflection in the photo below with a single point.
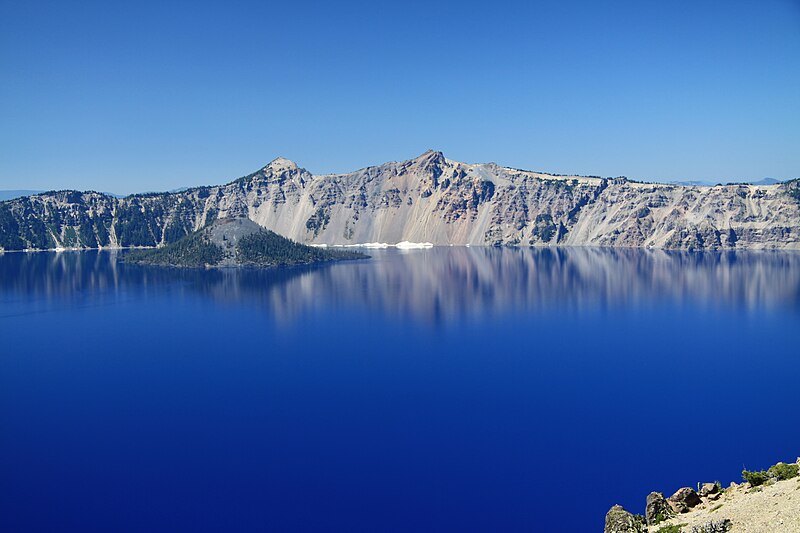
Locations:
(434, 286)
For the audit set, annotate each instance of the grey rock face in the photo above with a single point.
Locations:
(618, 520)
(426, 199)
(657, 509)
(683, 500)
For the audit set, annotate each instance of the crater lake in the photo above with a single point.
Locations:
(454, 388)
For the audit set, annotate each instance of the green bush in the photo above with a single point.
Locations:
(755, 478)
(783, 471)
(776, 472)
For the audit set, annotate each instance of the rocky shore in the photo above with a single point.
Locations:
(766, 502)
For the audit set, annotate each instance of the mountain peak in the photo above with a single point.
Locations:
(280, 164)
(428, 160)
(431, 155)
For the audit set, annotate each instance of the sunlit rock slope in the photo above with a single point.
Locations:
(426, 199)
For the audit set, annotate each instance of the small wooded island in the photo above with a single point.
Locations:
(234, 242)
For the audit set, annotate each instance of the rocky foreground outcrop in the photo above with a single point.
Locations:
(427, 199)
(769, 502)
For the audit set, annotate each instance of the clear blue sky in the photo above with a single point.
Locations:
(154, 96)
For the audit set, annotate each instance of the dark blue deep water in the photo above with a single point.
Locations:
(452, 389)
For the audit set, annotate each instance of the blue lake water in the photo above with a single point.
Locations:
(452, 389)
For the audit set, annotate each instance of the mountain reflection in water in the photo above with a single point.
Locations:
(437, 286)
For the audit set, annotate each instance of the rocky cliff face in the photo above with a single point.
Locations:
(427, 199)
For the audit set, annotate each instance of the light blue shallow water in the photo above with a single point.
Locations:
(451, 389)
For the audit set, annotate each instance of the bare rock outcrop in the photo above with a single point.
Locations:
(708, 489)
(618, 520)
(683, 500)
(657, 509)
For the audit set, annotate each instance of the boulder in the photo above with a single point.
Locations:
(657, 509)
(683, 500)
(708, 488)
(618, 520)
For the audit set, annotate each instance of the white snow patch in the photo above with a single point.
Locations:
(406, 245)
(403, 245)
